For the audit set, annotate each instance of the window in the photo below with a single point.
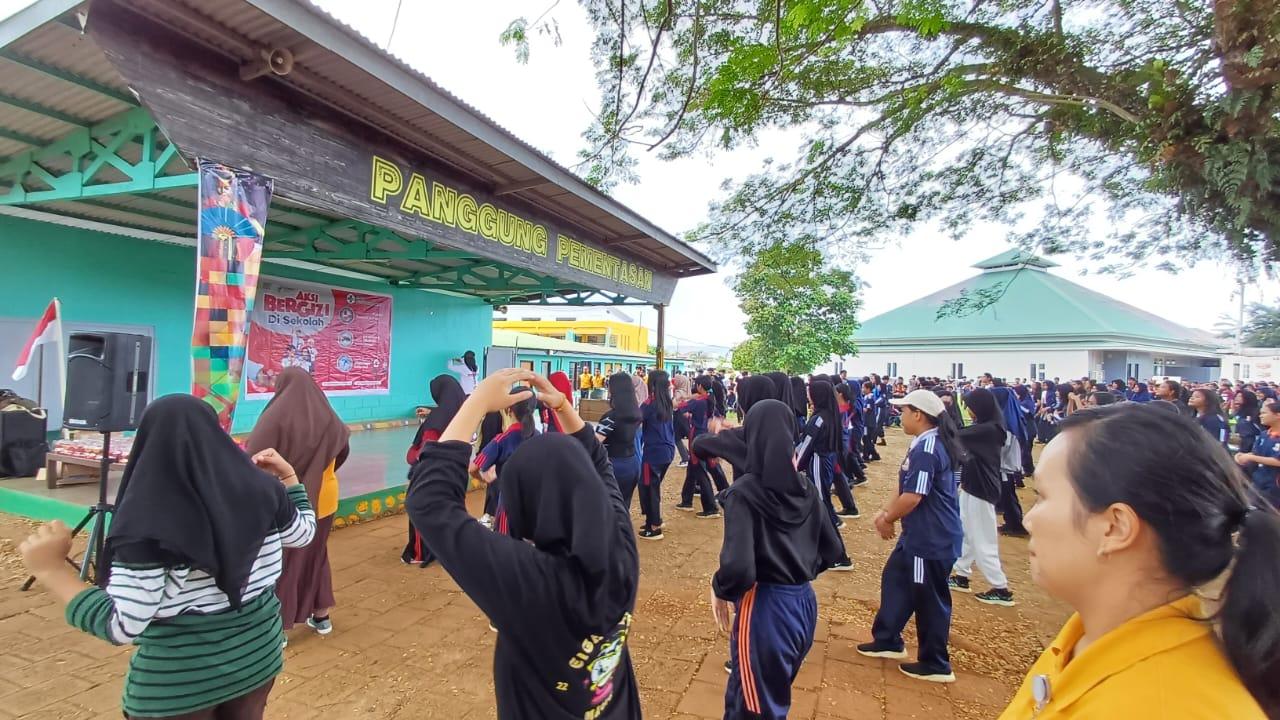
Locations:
(957, 370)
(891, 370)
(1132, 370)
(546, 368)
(527, 365)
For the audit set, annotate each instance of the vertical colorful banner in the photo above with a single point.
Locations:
(230, 227)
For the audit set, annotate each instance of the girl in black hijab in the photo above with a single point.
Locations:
(731, 444)
(560, 586)
(189, 568)
(781, 387)
(776, 541)
(980, 492)
(448, 396)
(799, 402)
(820, 441)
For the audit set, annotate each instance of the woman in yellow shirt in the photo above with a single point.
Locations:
(1138, 511)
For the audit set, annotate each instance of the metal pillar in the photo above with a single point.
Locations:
(662, 336)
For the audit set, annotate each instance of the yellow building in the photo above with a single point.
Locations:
(606, 333)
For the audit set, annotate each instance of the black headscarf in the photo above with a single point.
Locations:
(555, 499)
(191, 496)
(781, 387)
(469, 359)
(799, 397)
(447, 393)
(751, 390)
(824, 406)
(771, 485)
(985, 407)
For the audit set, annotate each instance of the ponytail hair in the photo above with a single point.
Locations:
(1205, 516)
(718, 394)
(524, 411)
(947, 427)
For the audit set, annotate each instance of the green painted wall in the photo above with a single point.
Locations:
(104, 278)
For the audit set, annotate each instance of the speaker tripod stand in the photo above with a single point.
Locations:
(96, 519)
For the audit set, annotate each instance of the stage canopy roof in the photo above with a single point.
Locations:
(105, 105)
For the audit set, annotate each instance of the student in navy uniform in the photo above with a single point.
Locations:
(618, 429)
(715, 422)
(914, 581)
(777, 539)
(448, 396)
(1245, 408)
(822, 431)
(870, 422)
(730, 444)
(849, 459)
(488, 464)
(698, 412)
(561, 588)
(658, 449)
(490, 429)
(1265, 457)
(1208, 407)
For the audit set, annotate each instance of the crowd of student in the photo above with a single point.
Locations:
(1141, 507)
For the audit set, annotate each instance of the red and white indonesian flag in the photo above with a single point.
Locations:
(48, 330)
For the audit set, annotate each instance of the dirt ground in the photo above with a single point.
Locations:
(408, 644)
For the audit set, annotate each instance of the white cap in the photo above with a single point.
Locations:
(924, 400)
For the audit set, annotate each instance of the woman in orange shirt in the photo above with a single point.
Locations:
(1139, 510)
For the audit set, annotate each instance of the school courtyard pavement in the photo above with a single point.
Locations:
(408, 644)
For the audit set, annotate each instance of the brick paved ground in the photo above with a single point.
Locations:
(409, 644)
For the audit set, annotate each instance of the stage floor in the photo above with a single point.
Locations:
(373, 476)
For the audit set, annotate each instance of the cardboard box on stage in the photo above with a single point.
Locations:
(592, 410)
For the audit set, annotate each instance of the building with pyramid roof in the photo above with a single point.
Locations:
(1042, 326)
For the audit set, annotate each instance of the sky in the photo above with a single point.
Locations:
(548, 103)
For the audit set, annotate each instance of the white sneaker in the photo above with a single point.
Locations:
(487, 520)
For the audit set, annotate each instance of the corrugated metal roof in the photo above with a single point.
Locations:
(47, 64)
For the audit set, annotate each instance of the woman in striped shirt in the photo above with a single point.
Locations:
(189, 568)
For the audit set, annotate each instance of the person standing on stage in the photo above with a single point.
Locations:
(914, 581)
(448, 396)
(299, 423)
(560, 586)
(777, 539)
(584, 383)
(467, 370)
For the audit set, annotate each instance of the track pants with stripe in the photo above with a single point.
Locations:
(823, 468)
(772, 633)
(917, 586)
(651, 492)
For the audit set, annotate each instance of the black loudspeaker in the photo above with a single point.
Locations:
(107, 379)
